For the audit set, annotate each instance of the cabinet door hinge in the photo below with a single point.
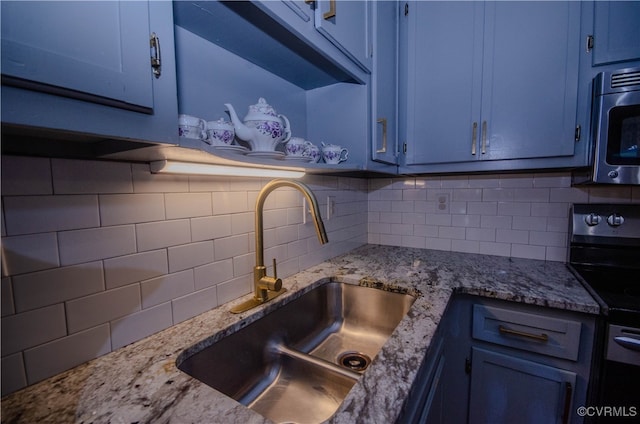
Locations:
(467, 366)
(578, 133)
(589, 44)
(406, 9)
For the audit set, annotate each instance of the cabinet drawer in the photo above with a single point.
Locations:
(527, 331)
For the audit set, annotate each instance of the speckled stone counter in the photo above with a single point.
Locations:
(141, 384)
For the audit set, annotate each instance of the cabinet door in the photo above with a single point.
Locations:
(80, 49)
(347, 24)
(616, 32)
(443, 72)
(530, 79)
(505, 389)
(385, 77)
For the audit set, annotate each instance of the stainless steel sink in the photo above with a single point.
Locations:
(298, 363)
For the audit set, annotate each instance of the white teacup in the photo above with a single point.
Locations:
(191, 127)
(296, 147)
(220, 132)
(333, 154)
(313, 152)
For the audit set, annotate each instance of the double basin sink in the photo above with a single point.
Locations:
(297, 363)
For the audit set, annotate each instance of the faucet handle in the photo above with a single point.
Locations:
(275, 269)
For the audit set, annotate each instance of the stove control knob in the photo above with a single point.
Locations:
(615, 220)
(592, 219)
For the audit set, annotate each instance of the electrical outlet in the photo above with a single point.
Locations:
(442, 203)
(331, 209)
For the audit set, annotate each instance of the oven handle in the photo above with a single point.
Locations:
(628, 343)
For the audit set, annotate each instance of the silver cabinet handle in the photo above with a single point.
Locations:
(628, 343)
(484, 137)
(383, 121)
(474, 135)
(156, 60)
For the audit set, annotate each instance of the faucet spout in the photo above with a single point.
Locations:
(266, 287)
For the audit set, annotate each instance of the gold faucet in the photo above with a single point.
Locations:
(267, 287)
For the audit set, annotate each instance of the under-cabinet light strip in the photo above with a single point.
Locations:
(192, 168)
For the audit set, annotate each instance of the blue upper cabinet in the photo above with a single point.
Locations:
(87, 67)
(385, 83)
(489, 83)
(346, 25)
(98, 55)
(616, 35)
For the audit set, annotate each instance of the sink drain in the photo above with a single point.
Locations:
(355, 361)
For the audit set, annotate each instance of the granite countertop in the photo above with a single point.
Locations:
(141, 384)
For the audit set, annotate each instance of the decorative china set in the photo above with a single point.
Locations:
(263, 130)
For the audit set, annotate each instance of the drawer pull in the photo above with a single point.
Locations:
(539, 337)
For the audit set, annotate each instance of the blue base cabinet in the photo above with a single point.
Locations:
(494, 361)
(488, 84)
(505, 389)
(86, 67)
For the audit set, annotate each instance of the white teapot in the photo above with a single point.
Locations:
(262, 128)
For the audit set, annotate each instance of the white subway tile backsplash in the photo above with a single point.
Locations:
(213, 273)
(233, 289)
(609, 194)
(96, 243)
(568, 195)
(480, 234)
(211, 227)
(534, 223)
(41, 214)
(514, 208)
(496, 221)
(31, 328)
(167, 287)
(187, 205)
(59, 355)
(96, 309)
(118, 209)
(83, 176)
(193, 304)
(14, 376)
(482, 208)
(129, 269)
(6, 297)
(228, 247)
(528, 251)
(512, 236)
(156, 235)
(23, 176)
(226, 202)
(138, 325)
(190, 255)
(29, 253)
(467, 246)
(44, 288)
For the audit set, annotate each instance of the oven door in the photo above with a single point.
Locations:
(620, 376)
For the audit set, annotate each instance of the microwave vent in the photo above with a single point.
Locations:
(625, 79)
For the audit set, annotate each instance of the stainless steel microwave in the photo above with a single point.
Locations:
(616, 127)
